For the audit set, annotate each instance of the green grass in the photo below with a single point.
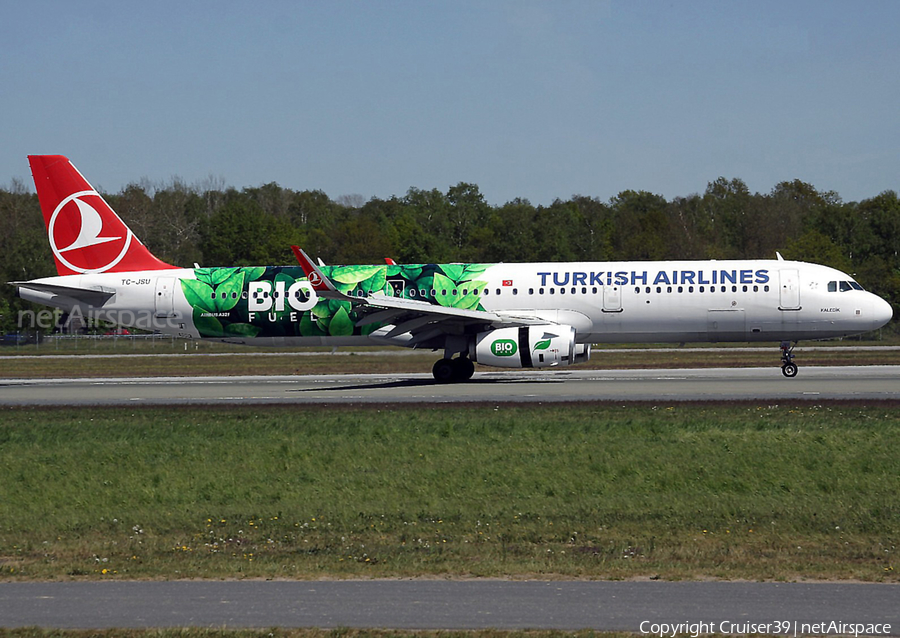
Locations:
(601, 491)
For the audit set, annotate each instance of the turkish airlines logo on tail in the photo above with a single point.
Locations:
(83, 239)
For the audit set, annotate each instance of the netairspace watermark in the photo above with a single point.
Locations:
(775, 628)
(56, 319)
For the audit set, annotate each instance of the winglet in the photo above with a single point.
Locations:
(317, 279)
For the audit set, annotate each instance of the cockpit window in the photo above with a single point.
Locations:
(844, 286)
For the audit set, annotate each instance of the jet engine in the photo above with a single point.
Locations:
(540, 346)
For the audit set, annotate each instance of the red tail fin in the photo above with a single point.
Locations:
(85, 234)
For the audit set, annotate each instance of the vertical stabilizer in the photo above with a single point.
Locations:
(86, 235)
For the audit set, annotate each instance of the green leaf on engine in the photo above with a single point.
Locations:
(542, 345)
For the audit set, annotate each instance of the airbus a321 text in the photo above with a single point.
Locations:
(528, 315)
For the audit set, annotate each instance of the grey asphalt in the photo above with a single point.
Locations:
(638, 607)
(816, 383)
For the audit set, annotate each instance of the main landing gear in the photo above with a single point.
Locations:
(451, 370)
(788, 367)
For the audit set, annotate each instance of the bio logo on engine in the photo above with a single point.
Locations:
(504, 348)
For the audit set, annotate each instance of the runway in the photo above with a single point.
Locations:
(638, 607)
(711, 384)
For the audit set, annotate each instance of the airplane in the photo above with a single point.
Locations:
(508, 315)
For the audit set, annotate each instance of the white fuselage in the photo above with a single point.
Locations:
(606, 302)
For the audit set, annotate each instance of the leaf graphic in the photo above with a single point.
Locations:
(242, 329)
(409, 273)
(473, 294)
(354, 274)
(252, 273)
(198, 294)
(443, 290)
(375, 282)
(393, 270)
(424, 284)
(334, 305)
(218, 275)
(542, 345)
(309, 328)
(204, 275)
(341, 325)
(231, 288)
(345, 288)
(208, 326)
(453, 271)
(321, 311)
(473, 270)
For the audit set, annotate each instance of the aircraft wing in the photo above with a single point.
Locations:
(95, 297)
(420, 319)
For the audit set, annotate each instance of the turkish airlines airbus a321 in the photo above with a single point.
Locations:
(533, 315)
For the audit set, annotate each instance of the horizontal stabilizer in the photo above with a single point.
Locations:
(95, 297)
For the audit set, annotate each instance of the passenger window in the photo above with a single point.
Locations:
(584, 290)
(515, 291)
(531, 291)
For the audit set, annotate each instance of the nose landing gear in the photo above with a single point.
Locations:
(788, 367)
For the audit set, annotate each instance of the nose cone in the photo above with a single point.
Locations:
(881, 312)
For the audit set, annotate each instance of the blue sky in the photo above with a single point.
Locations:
(539, 100)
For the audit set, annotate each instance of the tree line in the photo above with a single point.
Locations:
(212, 225)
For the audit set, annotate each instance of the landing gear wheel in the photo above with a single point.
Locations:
(444, 371)
(464, 369)
(788, 367)
(789, 370)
